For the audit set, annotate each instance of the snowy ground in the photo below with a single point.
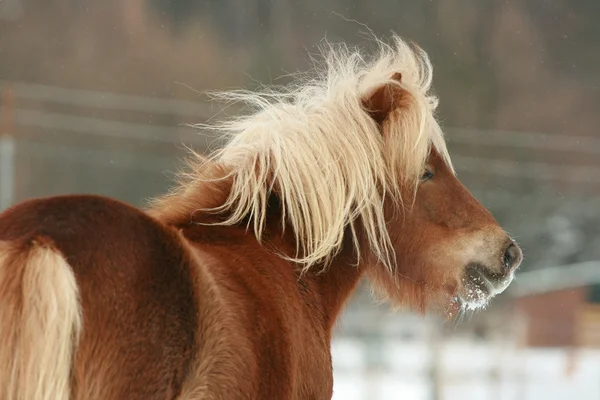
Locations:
(468, 371)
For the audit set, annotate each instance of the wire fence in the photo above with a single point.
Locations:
(85, 127)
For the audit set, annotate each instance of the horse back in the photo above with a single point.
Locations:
(135, 292)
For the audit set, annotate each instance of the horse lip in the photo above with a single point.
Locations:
(478, 287)
(493, 283)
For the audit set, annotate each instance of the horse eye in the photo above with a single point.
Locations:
(427, 175)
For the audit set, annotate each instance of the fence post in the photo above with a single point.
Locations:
(7, 149)
(436, 360)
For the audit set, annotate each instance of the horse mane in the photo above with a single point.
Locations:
(315, 145)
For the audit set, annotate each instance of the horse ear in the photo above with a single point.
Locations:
(384, 99)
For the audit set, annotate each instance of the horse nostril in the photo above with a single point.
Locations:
(512, 256)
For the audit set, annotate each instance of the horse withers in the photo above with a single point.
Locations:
(228, 287)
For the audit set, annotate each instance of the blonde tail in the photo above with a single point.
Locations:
(40, 322)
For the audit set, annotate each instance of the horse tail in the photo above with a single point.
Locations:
(40, 321)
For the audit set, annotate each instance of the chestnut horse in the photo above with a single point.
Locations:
(228, 287)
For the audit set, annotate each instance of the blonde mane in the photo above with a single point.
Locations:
(315, 145)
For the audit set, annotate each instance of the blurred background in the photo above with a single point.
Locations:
(95, 97)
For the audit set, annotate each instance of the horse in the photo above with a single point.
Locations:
(228, 286)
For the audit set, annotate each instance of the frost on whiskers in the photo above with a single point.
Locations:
(475, 295)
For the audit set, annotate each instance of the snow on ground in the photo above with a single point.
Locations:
(469, 370)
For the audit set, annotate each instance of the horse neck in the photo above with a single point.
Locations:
(336, 285)
(330, 287)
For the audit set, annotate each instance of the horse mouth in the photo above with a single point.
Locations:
(478, 286)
